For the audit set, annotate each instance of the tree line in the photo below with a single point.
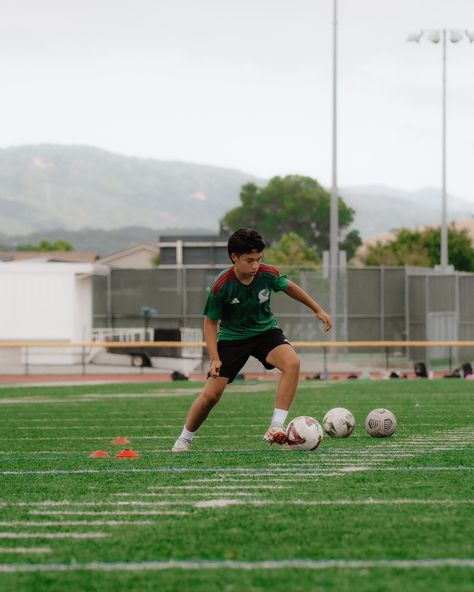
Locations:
(293, 215)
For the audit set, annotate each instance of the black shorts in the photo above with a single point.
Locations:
(235, 353)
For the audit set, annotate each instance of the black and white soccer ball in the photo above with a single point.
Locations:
(304, 433)
(339, 422)
(380, 423)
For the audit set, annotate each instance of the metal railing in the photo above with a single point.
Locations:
(55, 354)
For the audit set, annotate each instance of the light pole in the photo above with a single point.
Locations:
(334, 212)
(435, 36)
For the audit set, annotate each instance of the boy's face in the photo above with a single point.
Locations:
(247, 264)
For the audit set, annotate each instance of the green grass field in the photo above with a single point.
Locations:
(358, 514)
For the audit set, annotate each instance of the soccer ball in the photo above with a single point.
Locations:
(339, 422)
(380, 423)
(304, 433)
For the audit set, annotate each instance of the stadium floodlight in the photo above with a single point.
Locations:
(435, 36)
(456, 36)
(415, 37)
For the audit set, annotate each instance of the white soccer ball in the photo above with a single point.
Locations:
(304, 433)
(380, 423)
(339, 422)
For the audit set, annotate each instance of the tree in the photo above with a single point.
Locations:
(291, 249)
(46, 245)
(289, 204)
(350, 243)
(422, 248)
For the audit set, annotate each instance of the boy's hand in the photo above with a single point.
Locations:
(325, 319)
(214, 368)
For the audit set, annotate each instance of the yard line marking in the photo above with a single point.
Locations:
(239, 565)
(25, 549)
(76, 522)
(107, 513)
(188, 494)
(127, 426)
(53, 535)
(237, 470)
(200, 487)
(72, 504)
(209, 502)
(219, 503)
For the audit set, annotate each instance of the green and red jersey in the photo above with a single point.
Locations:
(244, 310)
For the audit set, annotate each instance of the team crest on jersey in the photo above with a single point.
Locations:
(263, 295)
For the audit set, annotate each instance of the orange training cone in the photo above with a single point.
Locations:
(120, 441)
(99, 454)
(127, 453)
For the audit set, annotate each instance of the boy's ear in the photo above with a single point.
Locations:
(233, 256)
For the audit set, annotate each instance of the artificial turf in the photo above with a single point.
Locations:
(235, 507)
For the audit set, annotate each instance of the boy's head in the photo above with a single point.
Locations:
(244, 240)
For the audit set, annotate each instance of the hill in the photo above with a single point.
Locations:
(74, 187)
(380, 209)
(102, 201)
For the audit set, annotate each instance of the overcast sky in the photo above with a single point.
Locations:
(244, 84)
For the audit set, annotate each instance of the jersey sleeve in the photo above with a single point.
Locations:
(277, 282)
(280, 283)
(212, 309)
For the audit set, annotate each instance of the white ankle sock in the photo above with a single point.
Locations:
(279, 416)
(186, 434)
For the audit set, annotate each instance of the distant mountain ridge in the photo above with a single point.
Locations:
(103, 201)
(74, 187)
(380, 209)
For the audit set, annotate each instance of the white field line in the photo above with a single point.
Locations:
(200, 487)
(186, 502)
(107, 513)
(225, 470)
(171, 438)
(25, 549)
(254, 478)
(154, 425)
(53, 535)
(76, 522)
(219, 503)
(114, 503)
(307, 564)
(190, 494)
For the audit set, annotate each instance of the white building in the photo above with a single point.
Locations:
(44, 301)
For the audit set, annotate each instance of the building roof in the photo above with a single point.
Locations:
(50, 256)
(151, 248)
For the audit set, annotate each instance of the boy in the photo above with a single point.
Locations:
(240, 299)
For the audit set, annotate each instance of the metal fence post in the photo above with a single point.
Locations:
(83, 359)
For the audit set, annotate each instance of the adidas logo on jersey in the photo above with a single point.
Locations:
(235, 301)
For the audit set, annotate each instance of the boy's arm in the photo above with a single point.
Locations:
(210, 336)
(299, 294)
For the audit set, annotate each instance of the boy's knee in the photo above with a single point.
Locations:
(293, 365)
(212, 397)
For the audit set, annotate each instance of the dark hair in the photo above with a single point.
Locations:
(245, 240)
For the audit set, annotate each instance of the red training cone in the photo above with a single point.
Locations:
(120, 441)
(127, 453)
(99, 454)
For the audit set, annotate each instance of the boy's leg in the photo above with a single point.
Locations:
(199, 411)
(203, 405)
(286, 360)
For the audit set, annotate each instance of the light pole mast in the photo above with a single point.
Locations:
(444, 212)
(435, 36)
(334, 213)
